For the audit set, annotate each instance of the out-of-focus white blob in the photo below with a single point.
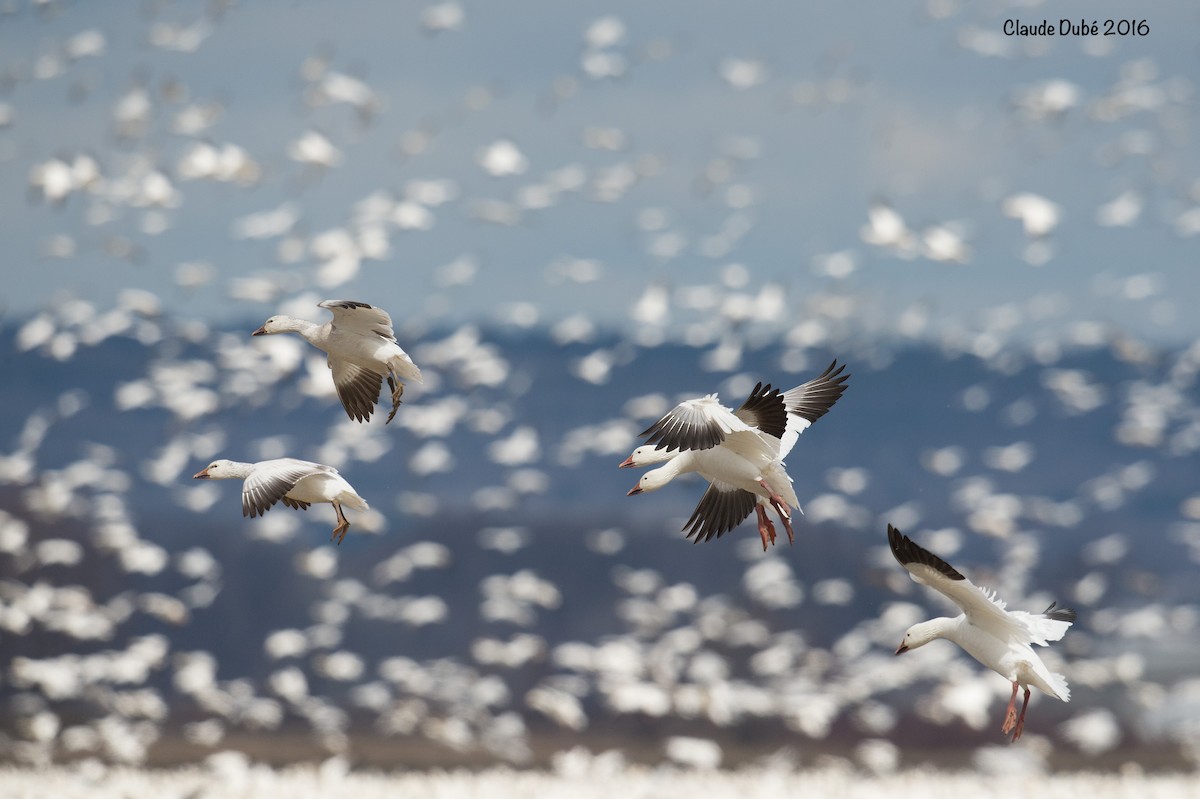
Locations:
(435, 418)
(472, 362)
(1121, 211)
(196, 118)
(575, 329)
(266, 224)
(502, 158)
(833, 591)
(946, 243)
(613, 437)
(562, 707)
(506, 540)
(320, 564)
(878, 756)
(837, 265)
(1075, 389)
(653, 307)
(836, 508)
(1048, 100)
(1093, 733)
(56, 179)
(285, 644)
(459, 272)
(132, 112)
(165, 608)
(1012, 458)
(143, 557)
(341, 666)
(197, 564)
(195, 672)
(1109, 549)
(604, 32)
(316, 149)
(886, 228)
(513, 598)
(1187, 224)
(194, 274)
(440, 17)
(595, 367)
(521, 447)
(14, 533)
(180, 38)
(338, 87)
(850, 481)
(743, 73)
(209, 732)
(1004, 761)
(432, 458)
(514, 654)
(1038, 215)
(227, 163)
(771, 583)
(606, 542)
(696, 753)
(989, 42)
(58, 552)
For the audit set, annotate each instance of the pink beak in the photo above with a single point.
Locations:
(635, 490)
(262, 331)
(202, 474)
(627, 463)
(902, 649)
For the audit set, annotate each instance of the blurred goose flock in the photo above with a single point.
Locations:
(580, 218)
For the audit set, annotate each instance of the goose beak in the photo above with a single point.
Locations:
(262, 331)
(635, 490)
(902, 649)
(627, 463)
(202, 474)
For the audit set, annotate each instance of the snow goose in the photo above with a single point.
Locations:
(998, 638)
(362, 351)
(297, 483)
(739, 452)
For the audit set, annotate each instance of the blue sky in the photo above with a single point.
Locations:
(775, 123)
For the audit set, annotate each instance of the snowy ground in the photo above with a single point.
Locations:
(331, 781)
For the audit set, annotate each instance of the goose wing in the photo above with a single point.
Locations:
(357, 388)
(360, 318)
(722, 508)
(808, 402)
(270, 480)
(982, 608)
(695, 424)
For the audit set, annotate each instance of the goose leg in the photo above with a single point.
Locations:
(765, 528)
(781, 508)
(397, 388)
(1021, 718)
(339, 532)
(1010, 716)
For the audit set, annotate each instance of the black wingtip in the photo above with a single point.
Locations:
(350, 304)
(768, 410)
(1060, 614)
(814, 399)
(907, 551)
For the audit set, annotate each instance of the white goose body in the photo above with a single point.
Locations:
(739, 452)
(296, 483)
(362, 351)
(999, 638)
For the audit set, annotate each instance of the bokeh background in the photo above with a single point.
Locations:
(577, 214)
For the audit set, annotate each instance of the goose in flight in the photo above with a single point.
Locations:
(296, 483)
(362, 351)
(740, 452)
(999, 638)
